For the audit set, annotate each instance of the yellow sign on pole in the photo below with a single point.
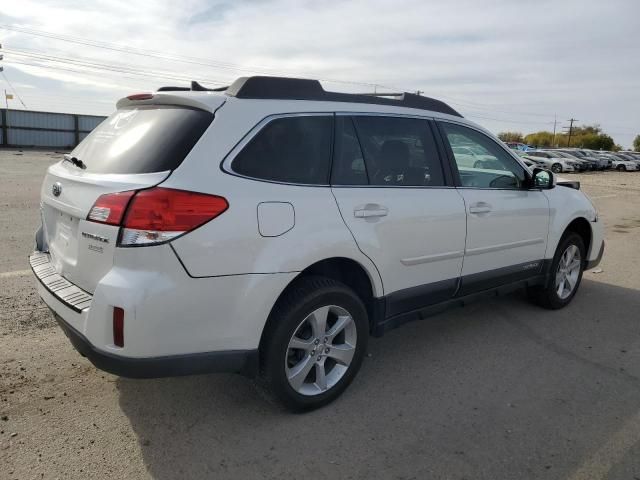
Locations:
(9, 96)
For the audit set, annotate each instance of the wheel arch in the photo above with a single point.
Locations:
(582, 227)
(344, 270)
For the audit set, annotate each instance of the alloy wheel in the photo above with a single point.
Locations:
(320, 350)
(568, 272)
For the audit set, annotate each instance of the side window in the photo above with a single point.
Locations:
(398, 151)
(290, 149)
(348, 161)
(490, 166)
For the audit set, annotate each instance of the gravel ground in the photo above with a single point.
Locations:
(497, 390)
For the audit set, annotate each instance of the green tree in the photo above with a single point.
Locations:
(540, 139)
(511, 137)
(593, 141)
(587, 129)
(636, 143)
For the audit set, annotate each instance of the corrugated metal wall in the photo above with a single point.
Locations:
(24, 128)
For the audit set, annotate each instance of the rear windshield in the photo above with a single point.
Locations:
(142, 139)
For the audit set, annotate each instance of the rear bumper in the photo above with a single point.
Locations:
(173, 324)
(240, 361)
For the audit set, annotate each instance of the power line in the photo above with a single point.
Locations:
(231, 66)
(507, 120)
(492, 110)
(118, 68)
(73, 70)
(124, 70)
(173, 57)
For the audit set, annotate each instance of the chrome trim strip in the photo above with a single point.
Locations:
(503, 246)
(431, 258)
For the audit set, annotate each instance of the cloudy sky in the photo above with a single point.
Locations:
(507, 64)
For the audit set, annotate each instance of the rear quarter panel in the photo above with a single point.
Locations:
(232, 243)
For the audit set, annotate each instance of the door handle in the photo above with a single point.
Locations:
(370, 210)
(480, 207)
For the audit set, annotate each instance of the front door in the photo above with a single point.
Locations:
(507, 223)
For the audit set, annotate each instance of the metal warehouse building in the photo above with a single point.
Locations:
(25, 128)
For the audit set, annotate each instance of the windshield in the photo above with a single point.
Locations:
(142, 139)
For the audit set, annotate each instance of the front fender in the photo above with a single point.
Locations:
(566, 205)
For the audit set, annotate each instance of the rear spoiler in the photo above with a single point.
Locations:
(195, 87)
(200, 100)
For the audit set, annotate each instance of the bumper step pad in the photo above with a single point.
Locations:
(61, 288)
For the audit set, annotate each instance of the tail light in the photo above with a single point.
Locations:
(110, 208)
(156, 215)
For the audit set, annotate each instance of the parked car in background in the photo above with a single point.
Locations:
(555, 162)
(631, 153)
(624, 156)
(603, 156)
(622, 164)
(587, 163)
(602, 164)
(626, 165)
(536, 161)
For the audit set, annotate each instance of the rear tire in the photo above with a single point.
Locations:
(556, 168)
(315, 341)
(621, 168)
(565, 274)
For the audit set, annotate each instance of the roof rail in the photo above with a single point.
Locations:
(283, 88)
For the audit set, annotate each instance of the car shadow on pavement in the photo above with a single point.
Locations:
(498, 389)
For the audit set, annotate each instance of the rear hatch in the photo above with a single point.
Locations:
(135, 148)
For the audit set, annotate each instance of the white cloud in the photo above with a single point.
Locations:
(515, 63)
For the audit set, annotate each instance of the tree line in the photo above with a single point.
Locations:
(586, 136)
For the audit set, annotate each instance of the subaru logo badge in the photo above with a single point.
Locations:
(56, 189)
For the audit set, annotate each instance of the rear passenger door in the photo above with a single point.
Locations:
(388, 181)
(507, 222)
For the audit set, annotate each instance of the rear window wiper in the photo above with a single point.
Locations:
(76, 161)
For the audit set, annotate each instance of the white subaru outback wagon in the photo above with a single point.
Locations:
(270, 227)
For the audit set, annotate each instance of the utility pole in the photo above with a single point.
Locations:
(570, 128)
(419, 92)
(555, 120)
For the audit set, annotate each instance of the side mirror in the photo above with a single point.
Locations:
(543, 179)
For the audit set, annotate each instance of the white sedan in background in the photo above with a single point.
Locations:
(554, 161)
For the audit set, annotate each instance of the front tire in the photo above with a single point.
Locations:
(565, 274)
(556, 168)
(621, 168)
(315, 342)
